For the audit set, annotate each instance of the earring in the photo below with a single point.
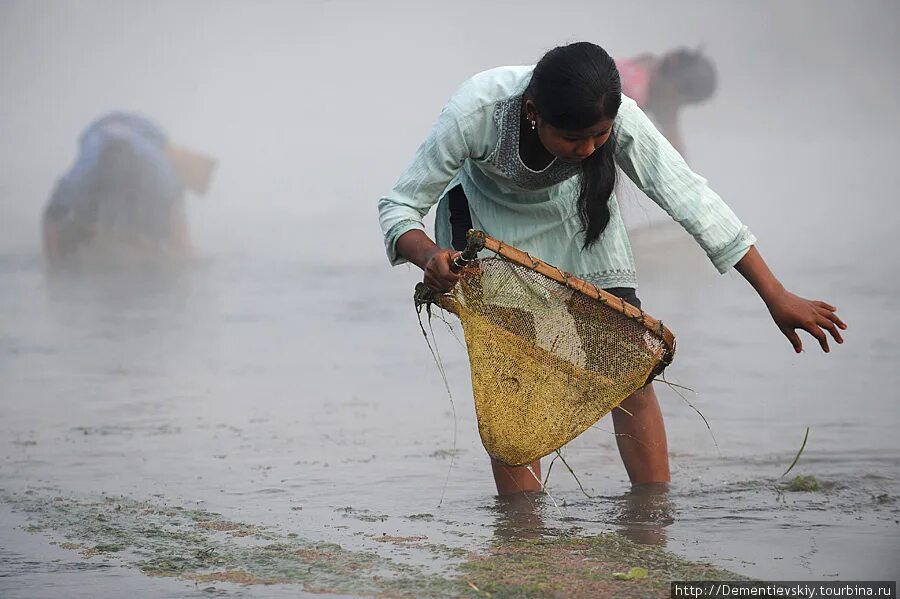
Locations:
(533, 124)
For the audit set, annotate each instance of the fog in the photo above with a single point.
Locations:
(281, 379)
(313, 108)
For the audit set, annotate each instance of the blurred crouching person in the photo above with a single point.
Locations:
(663, 85)
(125, 192)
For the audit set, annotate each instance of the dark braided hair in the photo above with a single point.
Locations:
(573, 87)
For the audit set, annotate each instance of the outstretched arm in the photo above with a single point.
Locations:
(790, 312)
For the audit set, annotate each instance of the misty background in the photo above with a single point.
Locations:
(313, 108)
(286, 365)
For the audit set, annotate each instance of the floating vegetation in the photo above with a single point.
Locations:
(804, 483)
(574, 566)
(205, 547)
(399, 540)
(362, 515)
(884, 498)
(635, 573)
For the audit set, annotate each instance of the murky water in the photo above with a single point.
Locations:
(302, 397)
(282, 380)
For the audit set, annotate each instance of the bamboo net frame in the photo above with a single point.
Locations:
(477, 241)
(544, 370)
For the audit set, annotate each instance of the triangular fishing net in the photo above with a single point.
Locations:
(550, 354)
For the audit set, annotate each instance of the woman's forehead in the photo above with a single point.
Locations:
(598, 128)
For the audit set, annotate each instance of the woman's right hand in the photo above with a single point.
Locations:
(438, 274)
(416, 247)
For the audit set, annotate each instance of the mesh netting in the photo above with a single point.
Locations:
(547, 361)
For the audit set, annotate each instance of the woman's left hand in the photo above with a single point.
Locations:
(791, 312)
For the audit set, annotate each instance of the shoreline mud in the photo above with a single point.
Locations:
(200, 546)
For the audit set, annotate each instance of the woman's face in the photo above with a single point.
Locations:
(571, 146)
(574, 146)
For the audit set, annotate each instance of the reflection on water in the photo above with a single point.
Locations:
(239, 387)
(519, 516)
(644, 513)
(640, 515)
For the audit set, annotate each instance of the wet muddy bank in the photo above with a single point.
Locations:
(164, 540)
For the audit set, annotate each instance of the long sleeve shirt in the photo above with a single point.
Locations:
(475, 143)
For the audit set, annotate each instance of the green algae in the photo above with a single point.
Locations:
(576, 566)
(205, 547)
(804, 483)
(635, 573)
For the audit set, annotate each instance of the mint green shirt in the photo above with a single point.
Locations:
(475, 143)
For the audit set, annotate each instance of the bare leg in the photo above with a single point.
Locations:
(641, 436)
(516, 479)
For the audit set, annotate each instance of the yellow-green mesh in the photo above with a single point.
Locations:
(547, 362)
